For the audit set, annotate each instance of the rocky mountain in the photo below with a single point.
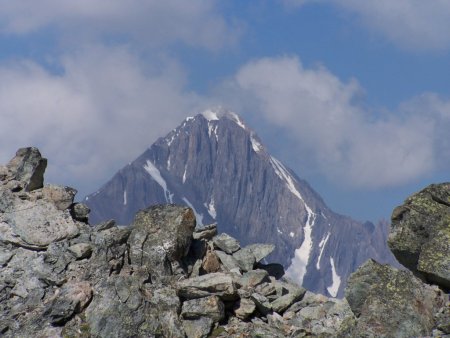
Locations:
(219, 167)
(163, 277)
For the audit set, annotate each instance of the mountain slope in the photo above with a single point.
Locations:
(216, 165)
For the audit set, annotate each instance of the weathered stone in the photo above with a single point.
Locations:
(211, 307)
(198, 328)
(71, 300)
(28, 166)
(244, 308)
(282, 303)
(207, 232)
(245, 259)
(61, 196)
(253, 278)
(420, 234)
(80, 212)
(260, 251)
(210, 262)
(390, 302)
(165, 228)
(228, 261)
(262, 303)
(105, 225)
(220, 284)
(226, 243)
(81, 250)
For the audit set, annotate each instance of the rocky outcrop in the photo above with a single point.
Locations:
(162, 277)
(421, 234)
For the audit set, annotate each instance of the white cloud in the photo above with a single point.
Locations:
(335, 134)
(412, 24)
(102, 111)
(150, 22)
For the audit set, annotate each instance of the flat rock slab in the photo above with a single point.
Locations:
(211, 307)
(219, 284)
(226, 243)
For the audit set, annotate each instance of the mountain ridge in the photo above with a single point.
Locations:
(215, 164)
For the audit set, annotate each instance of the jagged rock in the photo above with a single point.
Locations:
(219, 283)
(228, 261)
(244, 308)
(28, 167)
(210, 262)
(262, 303)
(226, 243)
(167, 229)
(81, 250)
(72, 299)
(61, 196)
(282, 303)
(245, 259)
(253, 278)
(105, 225)
(421, 232)
(391, 303)
(80, 212)
(207, 232)
(211, 307)
(198, 328)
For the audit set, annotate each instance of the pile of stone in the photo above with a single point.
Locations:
(162, 277)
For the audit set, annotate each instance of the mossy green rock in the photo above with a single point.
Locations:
(420, 234)
(391, 303)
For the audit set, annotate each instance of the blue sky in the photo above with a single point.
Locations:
(352, 95)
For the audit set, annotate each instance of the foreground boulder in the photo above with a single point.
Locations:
(420, 234)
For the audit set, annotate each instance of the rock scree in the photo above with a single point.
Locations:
(61, 277)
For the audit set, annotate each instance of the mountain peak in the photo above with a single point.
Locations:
(217, 113)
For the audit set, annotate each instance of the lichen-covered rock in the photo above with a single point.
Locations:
(211, 307)
(391, 303)
(28, 167)
(420, 234)
(226, 243)
(219, 283)
(61, 196)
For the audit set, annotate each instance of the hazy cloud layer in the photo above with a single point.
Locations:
(149, 22)
(333, 133)
(413, 24)
(102, 111)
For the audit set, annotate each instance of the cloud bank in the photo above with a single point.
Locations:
(334, 133)
(411, 24)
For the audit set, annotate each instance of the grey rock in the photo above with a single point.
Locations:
(282, 303)
(28, 166)
(262, 303)
(211, 262)
(211, 307)
(161, 228)
(245, 259)
(244, 308)
(253, 278)
(420, 234)
(61, 196)
(228, 261)
(260, 251)
(80, 212)
(81, 250)
(105, 225)
(198, 328)
(390, 302)
(226, 243)
(207, 232)
(219, 283)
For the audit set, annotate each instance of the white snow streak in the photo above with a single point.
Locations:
(198, 217)
(282, 173)
(257, 147)
(184, 174)
(279, 231)
(156, 175)
(215, 133)
(168, 163)
(238, 121)
(322, 244)
(211, 208)
(291, 234)
(124, 197)
(334, 287)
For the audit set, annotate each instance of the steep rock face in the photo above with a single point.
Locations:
(216, 165)
(421, 234)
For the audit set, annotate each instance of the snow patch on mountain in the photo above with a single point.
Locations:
(124, 197)
(257, 147)
(184, 174)
(334, 287)
(238, 121)
(282, 173)
(198, 216)
(210, 115)
(156, 175)
(211, 208)
(322, 244)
